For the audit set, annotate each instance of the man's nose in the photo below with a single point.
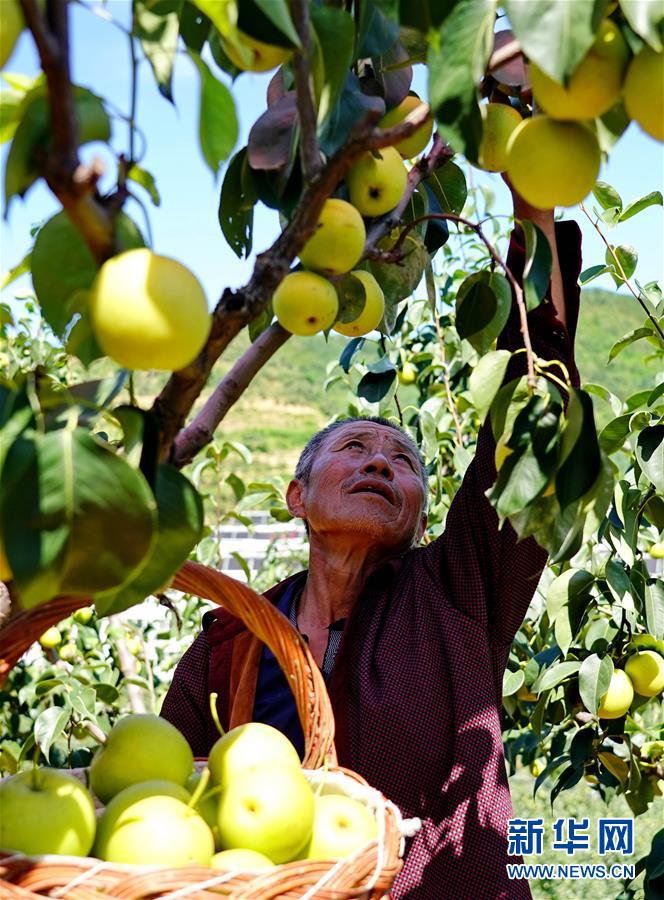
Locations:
(378, 463)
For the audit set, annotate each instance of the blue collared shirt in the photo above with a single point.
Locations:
(274, 703)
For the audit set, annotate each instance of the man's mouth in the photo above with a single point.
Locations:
(370, 486)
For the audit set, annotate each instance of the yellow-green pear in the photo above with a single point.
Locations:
(377, 183)
(413, 145)
(374, 307)
(498, 122)
(148, 311)
(646, 671)
(618, 698)
(338, 242)
(643, 91)
(595, 84)
(12, 24)
(157, 830)
(305, 303)
(140, 748)
(552, 163)
(259, 56)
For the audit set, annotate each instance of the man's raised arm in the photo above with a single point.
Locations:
(486, 571)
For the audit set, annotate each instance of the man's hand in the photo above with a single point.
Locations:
(543, 218)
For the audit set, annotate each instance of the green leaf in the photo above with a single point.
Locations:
(352, 107)
(218, 127)
(610, 127)
(352, 298)
(32, 137)
(537, 267)
(336, 34)
(237, 485)
(607, 196)
(180, 527)
(195, 26)
(483, 306)
(158, 35)
(375, 385)
(49, 725)
(486, 379)
(594, 679)
(349, 351)
(512, 681)
(277, 12)
(82, 699)
(614, 433)
(654, 608)
(107, 693)
(593, 272)
(236, 205)
(448, 183)
(650, 454)
(579, 449)
(645, 17)
(399, 281)
(565, 589)
(618, 580)
(654, 198)
(627, 256)
(457, 59)
(555, 35)
(628, 339)
(63, 267)
(555, 675)
(146, 181)
(76, 518)
(10, 105)
(377, 32)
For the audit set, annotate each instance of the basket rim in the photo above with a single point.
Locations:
(377, 859)
(258, 615)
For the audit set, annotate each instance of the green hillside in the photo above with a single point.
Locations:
(286, 402)
(604, 318)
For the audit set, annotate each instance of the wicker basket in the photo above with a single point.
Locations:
(369, 873)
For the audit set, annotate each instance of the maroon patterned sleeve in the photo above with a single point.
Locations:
(186, 703)
(487, 573)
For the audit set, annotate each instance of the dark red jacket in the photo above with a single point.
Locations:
(417, 685)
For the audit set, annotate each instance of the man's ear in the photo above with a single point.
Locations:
(295, 498)
(422, 527)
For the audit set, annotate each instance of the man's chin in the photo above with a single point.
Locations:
(373, 527)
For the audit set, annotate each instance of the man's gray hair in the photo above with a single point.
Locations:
(306, 460)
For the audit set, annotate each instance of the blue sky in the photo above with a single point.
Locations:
(185, 226)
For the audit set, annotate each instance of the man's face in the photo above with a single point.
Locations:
(365, 481)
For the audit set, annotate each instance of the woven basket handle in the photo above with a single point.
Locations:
(287, 644)
(257, 613)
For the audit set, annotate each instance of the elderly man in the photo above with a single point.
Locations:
(412, 640)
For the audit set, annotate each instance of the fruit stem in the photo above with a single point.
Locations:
(215, 714)
(321, 783)
(200, 788)
(94, 731)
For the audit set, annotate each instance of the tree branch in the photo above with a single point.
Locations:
(236, 308)
(201, 431)
(73, 184)
(304, 92)
(440, 151)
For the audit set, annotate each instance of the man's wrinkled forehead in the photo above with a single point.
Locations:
(369, 431)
